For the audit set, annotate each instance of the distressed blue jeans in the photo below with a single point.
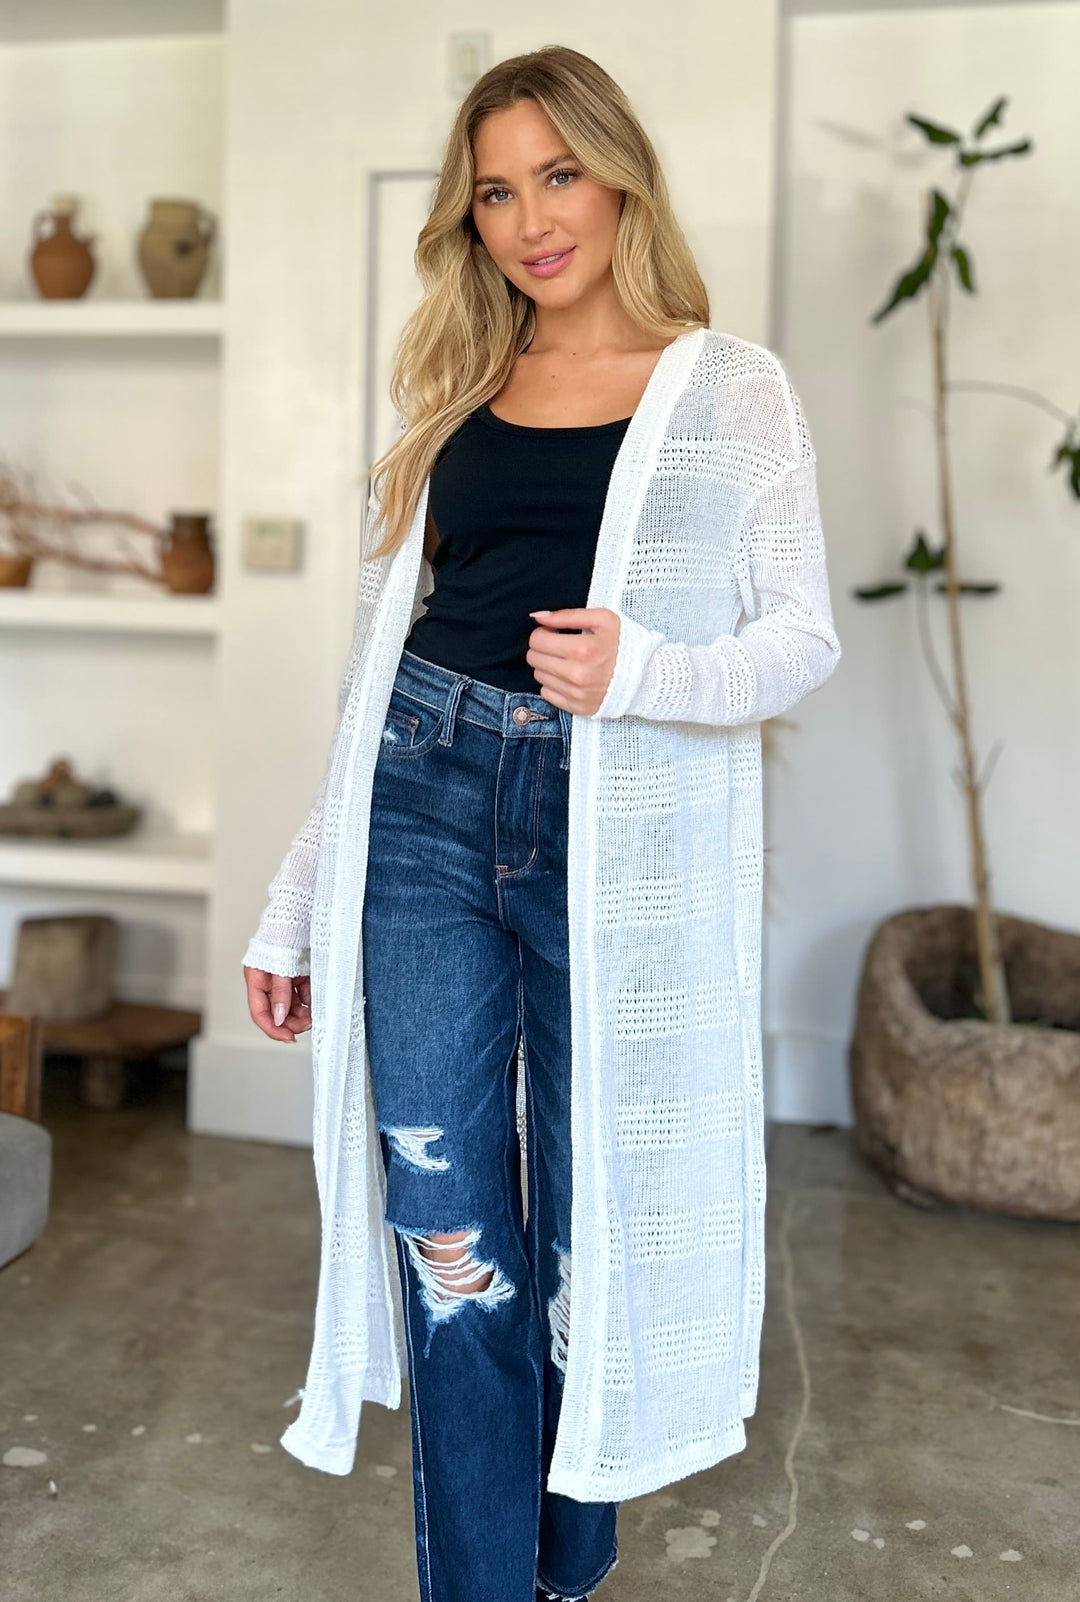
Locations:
(466, 954)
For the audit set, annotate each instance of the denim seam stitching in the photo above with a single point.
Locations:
(532, 1171)
(512, 873)
(415, 1402)
(590, 1584)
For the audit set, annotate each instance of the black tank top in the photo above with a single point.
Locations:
(517, 510)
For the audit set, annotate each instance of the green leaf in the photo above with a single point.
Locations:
(936, 134)
(990, 117)
(878, 592)
(971, 158)
(907, 286)
(1069, 453)
(921, 559)
(963, 267)
(970, 589)
(939, 212)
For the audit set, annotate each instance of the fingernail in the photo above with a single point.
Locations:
(280, 1010)
(542, 612)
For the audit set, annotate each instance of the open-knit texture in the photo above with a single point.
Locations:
(711, 552)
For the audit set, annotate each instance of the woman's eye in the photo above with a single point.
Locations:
(560, 172)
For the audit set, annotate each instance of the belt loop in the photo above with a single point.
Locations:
(450, 711)
(565, 725)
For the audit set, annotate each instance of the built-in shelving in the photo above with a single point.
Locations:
(145, 861)
(120, 614)
(115, 396)
(114, 319)
(63, 21)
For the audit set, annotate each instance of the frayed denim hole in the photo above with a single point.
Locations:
(446, 1282)
(559, 1313)
(411, 1147)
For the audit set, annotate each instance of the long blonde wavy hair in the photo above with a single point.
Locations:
(458, 348)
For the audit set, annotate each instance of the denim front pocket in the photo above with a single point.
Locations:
(409, 727)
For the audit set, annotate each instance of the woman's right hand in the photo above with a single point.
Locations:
(291, 997)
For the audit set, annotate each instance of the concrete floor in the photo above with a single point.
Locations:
(917, 1432)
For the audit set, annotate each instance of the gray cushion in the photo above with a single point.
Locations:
(25, 1170)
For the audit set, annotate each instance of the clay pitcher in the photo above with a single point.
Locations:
(61, 263)
(173, 248)
(187, 556)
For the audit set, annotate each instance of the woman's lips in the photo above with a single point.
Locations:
(548, 269)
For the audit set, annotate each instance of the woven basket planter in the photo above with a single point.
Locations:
(951, 1108)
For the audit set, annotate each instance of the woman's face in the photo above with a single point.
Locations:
(522, 213)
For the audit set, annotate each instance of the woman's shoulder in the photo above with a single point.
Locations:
(754, 390)
(735, 359)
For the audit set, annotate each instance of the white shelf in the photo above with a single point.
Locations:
(124, 319)
(143, 861)
(130, 614)
(61, 21)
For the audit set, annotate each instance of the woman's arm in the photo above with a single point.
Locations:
(787, 646)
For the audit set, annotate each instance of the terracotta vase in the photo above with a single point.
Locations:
(62, 264)
(187, 556)
(15, 571)
(173, 248)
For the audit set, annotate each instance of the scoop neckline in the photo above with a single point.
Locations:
(486, 415)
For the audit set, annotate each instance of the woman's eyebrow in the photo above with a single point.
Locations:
(538, 172)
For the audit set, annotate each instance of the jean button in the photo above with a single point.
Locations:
(521, 714)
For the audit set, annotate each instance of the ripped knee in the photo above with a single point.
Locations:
(451, 1274)
(455, 1269)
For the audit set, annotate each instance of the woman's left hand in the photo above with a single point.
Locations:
(574, 670)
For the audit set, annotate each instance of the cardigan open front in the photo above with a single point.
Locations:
(711, 551)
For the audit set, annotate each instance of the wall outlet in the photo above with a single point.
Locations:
(272, 543)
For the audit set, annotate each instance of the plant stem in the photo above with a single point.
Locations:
(991, 967)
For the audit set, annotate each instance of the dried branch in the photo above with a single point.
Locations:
(30, 521)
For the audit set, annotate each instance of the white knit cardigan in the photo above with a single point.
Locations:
(711, 551)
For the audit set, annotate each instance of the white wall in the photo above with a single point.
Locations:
(317, 95)
(865, 818)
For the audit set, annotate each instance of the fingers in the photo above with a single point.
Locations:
(572, 617)
(281, 995)
(291, 998)
(299, 1016)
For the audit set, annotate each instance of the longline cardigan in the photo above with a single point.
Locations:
(711, 551)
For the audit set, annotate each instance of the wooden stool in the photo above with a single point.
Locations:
(63, 979)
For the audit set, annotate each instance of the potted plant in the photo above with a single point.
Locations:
(965, 1059)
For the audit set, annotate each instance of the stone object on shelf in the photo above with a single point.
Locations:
(64, 968)
(60, 805)
(61, 263)
(173, 247)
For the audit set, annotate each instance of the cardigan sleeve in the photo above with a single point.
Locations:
(280, 945)
(785, 645)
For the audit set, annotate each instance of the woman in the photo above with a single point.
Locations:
(600, 567)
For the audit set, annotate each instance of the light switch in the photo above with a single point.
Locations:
(470, 58)
(272, 542)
